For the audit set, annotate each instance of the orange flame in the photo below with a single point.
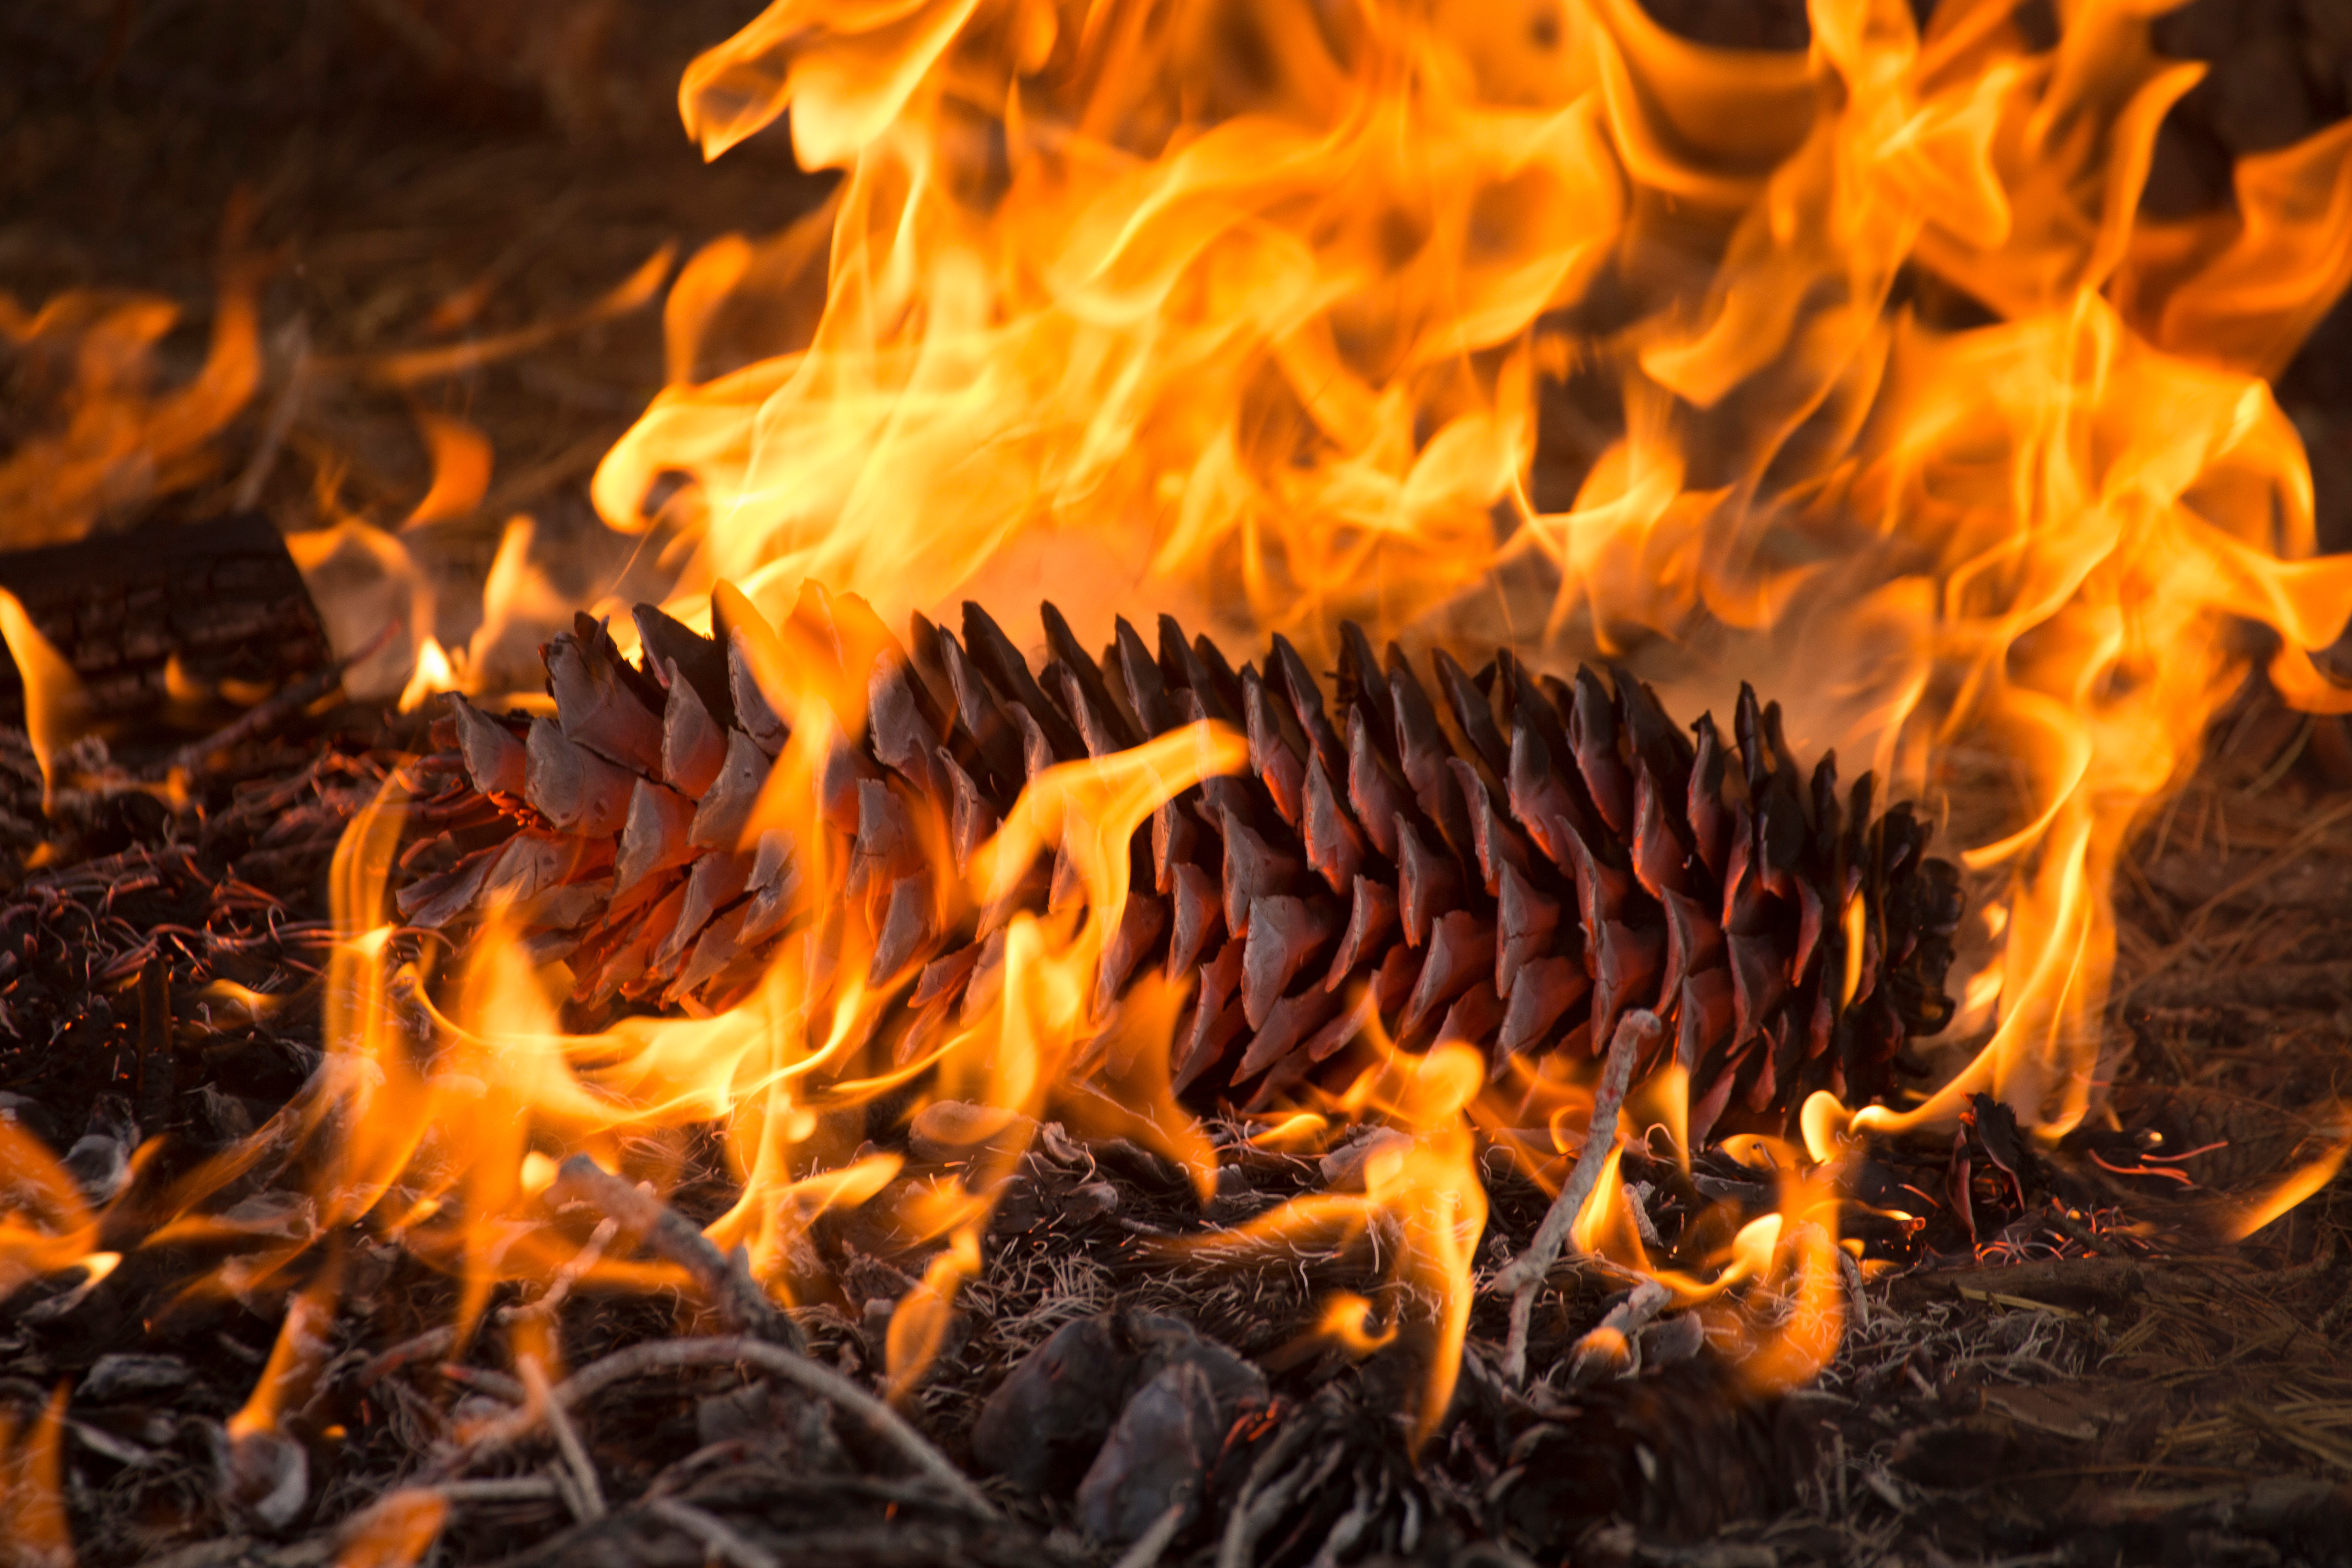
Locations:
(1422, 1189)
(114, 441)
(430, 1114)
(461, 469)
(32, 1503)
(57, 707)
(1350, 1320)
(1281, 332)
(45, 1225)
(395, 1530)
(1261, 306)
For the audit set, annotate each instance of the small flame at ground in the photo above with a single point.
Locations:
(32, 1502)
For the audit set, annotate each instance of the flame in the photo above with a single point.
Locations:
(519, 606)
(461, 469)
(32, 1503)
(296, 1358)
(1352, 1322)
(1280, 331)
(434, 1113)
(57, 707)
(2250, 1214)
(1421, 1189)
(395, 1530)
(434, 673)
(45, 1225)
(1263, 308)
(1179, 342)
(112, 440)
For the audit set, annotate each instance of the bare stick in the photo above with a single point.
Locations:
(1265, 1492)
(730, 1286)
(567, 1438)
(879, 1419)
(497, 1488)
(586, 1258)
(431, 1344)
(1636, 1032)
(1152, 1544)
(717, 1538)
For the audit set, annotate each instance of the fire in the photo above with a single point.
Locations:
(32, 1502)
(461, 469)
(1281, 333)
(57, 708)
(1256, 306)
(112, 440)
(1421, 1188)
(45, 1225)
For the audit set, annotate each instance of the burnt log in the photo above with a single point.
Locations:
(217, 605)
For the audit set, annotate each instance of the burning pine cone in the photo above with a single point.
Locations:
(1564, 853)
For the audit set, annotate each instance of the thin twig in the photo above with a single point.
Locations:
(497, 1386)
(718, 1539)
(879, 1419)
(587, 1258)
(429, 1345)
(678, 1238)
(1263, 1496)
(567, 1438)
(1606, 1348)
(2332, 1319)
(1149, 1546)
(496, 1489)
(1524, 1277)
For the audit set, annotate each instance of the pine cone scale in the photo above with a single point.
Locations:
(1515, 873)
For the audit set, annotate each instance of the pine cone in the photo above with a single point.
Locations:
(1564, 853)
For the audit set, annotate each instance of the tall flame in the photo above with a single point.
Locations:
(1258, 305)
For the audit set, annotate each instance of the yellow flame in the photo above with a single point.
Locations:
(296, 1358)
(2250, 1214)
(57, 707)
(461, 469)
(32, 1501)
(1298, 1129)
(110, 441)
(1909, 414)
(1424, 1189)
(434, 673)
(1351, 1322)
(1282, 333)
